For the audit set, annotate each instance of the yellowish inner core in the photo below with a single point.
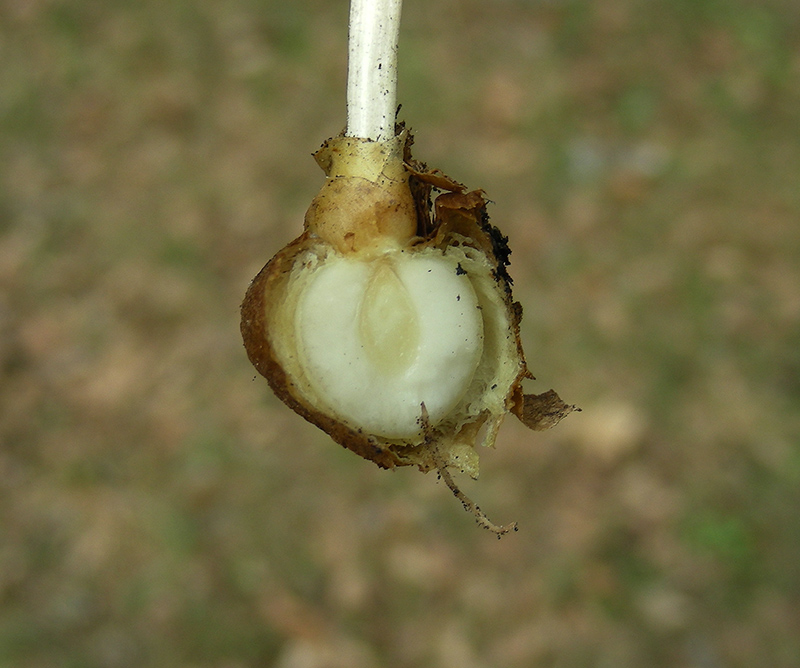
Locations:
(388, 322)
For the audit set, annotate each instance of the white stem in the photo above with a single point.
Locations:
(372, 68)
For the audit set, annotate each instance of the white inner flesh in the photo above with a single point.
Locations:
(378, 339)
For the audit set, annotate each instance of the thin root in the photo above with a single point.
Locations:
(469, 504)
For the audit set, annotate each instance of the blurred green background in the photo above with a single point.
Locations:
(158, 507)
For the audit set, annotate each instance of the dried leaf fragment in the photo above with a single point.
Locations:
(542, 411)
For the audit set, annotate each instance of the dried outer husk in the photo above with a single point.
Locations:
(465, 214)
(456, 224)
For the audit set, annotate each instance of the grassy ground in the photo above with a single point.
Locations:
(158, 507)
